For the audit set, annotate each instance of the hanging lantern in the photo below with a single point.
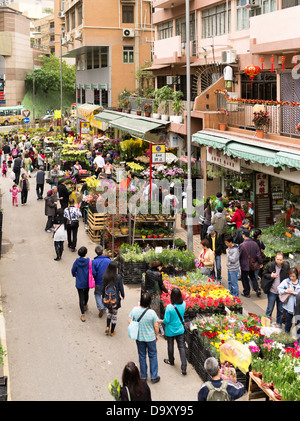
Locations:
(262, 63)
(283, 61)
(252, 71)
(294, 60)
(272, 65)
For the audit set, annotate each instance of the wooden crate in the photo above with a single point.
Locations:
(94, 235)
(96, 221)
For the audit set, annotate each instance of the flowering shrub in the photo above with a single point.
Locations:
(261, 119)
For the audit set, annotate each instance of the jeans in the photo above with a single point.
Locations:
(98, 297)
(72, 236)
(24, 194)
(39, 190)
(218, 268)
(83, 298)
(272, 299)
(246, 274)
(233, 284)
(181, 349)
(142, 348)
(288, 321)
(49, 223)
(59, 248)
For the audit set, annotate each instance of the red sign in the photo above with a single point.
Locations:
(26, 113)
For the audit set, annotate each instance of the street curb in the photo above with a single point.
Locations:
(4, 346)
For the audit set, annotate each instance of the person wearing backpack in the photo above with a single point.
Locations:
(112, 291)
(218, 389)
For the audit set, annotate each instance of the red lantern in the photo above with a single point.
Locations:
(283, 61)
(262, 63)
(272, 65)
(252, 71)
(294, 60)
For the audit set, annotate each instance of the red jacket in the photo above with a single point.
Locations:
(238, 217)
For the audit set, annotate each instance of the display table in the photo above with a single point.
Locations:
(258, 391)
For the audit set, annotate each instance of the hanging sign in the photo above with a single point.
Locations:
(262, 184)
(84, 127)
(158, 153)
(217, 157)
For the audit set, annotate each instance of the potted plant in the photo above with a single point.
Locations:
(177, 107)
(165, 94)
(138, 102)
(155, 106)
(122, 98)
(261, 120)
(223, 117)
(147, 109)
(127, 106)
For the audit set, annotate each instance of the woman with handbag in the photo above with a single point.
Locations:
(206, 258)
(72, 214)
(174, 328)
(288, 289)
(134, 388)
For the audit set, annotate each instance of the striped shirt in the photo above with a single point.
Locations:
(146, 324)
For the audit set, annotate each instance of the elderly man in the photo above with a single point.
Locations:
(248, 250)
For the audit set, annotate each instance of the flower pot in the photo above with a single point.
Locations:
(120, 110)
(222, 126)
(177, 119)
(147, 113)
(124, 230)
(156, 116)
(127, 111)
(149, 236)
(139, 113)
(165, 117)
(260, 134)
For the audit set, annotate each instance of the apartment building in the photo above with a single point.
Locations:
(44, 34)
(109, 41)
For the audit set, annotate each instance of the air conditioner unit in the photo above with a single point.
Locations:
(61, 14)
(253, 3)
(63, 41)
(228, 56)
(69, 38)
(128, 33)
(78, 34)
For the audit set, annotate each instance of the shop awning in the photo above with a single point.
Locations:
(107, 116)
(135, 126)
(252, 153)
(87, 109)
(290, 159)
(207, 139)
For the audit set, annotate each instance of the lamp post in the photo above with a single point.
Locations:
(189, 190)
(61, 84)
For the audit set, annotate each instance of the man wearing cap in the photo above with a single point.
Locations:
(217, 245)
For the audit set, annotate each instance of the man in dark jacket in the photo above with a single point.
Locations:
(99, 266)
(238, 237)
(272, 276)
(249, 248)
(40, 181)
(63, 194)
(17, 165)
(217, 245)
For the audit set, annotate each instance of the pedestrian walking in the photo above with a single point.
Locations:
(80, 271)
(207, 218)
(219, 202)
(290, 288)
(17, 165)
(27, 164)
(238, 216)
(4, 169)
(154, 284)
(72, 214)
(218, 389)
(112, 292)
(40, 182)
(174, 328)
(24, 188)
(233, 265)
(54, 175)
(134, 388)
(14, 191)
(60, 234)
(249, 254)
(50, 210)
(216, 244)
(63, 194)
(99, 266)
(273, 274)
(238, 236)
(218, 221)
(147, 336)
(206, 259)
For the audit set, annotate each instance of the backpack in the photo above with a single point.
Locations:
(217, 394)
(110, 296)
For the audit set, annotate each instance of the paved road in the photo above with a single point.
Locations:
(52, 355)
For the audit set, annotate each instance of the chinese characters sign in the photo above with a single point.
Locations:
(219, 158)
(262, 184)
(158, 153)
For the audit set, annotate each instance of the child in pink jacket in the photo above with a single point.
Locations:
(14, 190)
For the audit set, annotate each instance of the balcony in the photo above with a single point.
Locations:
(172, 50)
(167, 4)
(275, 32)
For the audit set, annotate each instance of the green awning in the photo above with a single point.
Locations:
(207, 139)
(290, 159)
(135, 126)
(107, 117)
(252, 153)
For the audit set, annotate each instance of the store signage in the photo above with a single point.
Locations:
(158, 153)
(262, 184)
(217, 157)
(84, 127)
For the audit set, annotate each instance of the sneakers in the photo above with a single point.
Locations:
(106, 330)
(82, 317)
(113, 333)
(48, 230)
(156, 380)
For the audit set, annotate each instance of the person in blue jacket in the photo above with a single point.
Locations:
(290, 285)
(174, 328)
(80, 271)
(99, 266)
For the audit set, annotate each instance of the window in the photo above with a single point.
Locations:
(290, 3)
(243, 13)
(96, 97)
(78, 59)
(128, 14)
(78, 96)
(264, 86)
(96, 59)
(104, 56)
(165, 30)
(82, 96)
(79, 15)
(214, 20)
(51, 25)
(82, 62)
(128, 55)
(89, 60)
(181, 28)
(68, 22)
(73, 20)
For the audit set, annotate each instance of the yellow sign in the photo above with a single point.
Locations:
(158, 153)
(57, 114)
(159, 148)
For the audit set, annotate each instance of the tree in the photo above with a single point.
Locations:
(47, 78)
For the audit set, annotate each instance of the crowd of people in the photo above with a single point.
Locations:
(244, 258)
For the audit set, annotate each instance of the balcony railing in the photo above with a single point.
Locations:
(283, 118)
(161, 109)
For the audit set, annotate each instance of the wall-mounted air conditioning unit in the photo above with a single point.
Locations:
(128, 33)
(61, 14)
(78, 34)
(63, 41)
(228, 56)
(69, 38)
(252, 4)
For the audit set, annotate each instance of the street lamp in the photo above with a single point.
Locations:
(61, 84)
(189, 190)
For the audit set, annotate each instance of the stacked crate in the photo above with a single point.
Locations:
(96, 226)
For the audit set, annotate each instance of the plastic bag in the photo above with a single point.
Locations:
(12, 175)
(237, 354)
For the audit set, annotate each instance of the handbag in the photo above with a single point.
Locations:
(133, 328)
(179, 315)
(254, 264)
(74, 223)
(91, 278)
(284, 297)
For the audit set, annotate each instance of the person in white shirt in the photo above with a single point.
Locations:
(99, 160)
